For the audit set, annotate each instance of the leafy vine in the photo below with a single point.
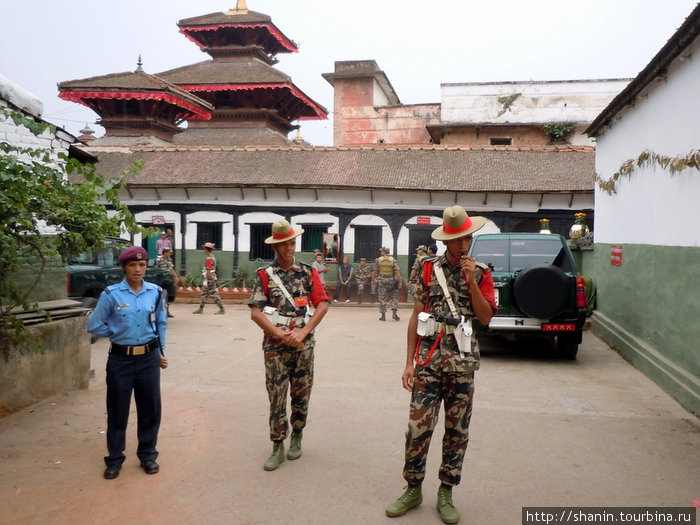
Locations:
(646, 159)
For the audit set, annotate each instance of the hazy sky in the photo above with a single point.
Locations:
(419, 44)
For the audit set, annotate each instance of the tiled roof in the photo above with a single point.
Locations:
(236, 72)
(223, 18)
(436, 168)
(136, 81)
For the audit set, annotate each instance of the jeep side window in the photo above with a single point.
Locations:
(105, 257)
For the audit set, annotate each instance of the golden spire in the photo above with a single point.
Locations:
(241, 8)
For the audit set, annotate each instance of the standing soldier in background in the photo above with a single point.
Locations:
(210, 281)
(387, 277)
(282, 296)
(165, 263)
(420, 255)
(450, 291)
(363, 275)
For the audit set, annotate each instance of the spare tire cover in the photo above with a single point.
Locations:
(542, 291)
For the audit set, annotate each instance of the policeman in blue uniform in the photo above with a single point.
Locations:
(133, 315)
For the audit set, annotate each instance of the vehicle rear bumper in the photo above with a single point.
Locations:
(529, 324)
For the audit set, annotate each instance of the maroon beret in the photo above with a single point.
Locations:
(133, 253)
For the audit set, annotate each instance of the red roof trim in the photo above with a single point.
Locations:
(320, 113)
(79, 96)
(284, 41)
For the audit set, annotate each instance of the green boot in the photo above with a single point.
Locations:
(447, 510)
(276, 458)
(294, 451)
(198, 310)
(221, 311)
(409, 499)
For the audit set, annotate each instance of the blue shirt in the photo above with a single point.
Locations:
(128, 318)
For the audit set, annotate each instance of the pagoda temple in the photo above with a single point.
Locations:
(235, 98)
(136, 104)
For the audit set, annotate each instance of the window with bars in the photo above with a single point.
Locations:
(258, 249)
(312, 239)
(368, 241)
(209, 232)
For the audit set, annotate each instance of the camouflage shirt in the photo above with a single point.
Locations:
(301, 281)
(362, 273)
(446, 356)
(165, 264)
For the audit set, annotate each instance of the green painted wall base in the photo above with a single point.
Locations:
(647, 310)
(673, 379)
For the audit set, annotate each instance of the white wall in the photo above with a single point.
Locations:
(538, 102)
(653, 206)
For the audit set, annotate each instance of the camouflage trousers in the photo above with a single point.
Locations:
(361, 283)
(388, 293)
(288, 369)
(431, 387)
(210, 290)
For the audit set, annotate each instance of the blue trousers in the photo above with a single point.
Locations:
(140, 374)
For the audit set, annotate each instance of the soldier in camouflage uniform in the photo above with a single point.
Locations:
(420, 254)
(210, 288)
(165, 263)
(363, 274)
(289, 342)
(442, 372)
(387, 277)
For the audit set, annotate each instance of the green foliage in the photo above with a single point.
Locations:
(35, 193)
(557, 132)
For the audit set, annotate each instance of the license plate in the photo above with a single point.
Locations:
(497, 296)
(558, 327)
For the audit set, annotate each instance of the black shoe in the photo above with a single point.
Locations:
(382, 318)
(150, 466)
(170, 315)
(112, 471)
(396, 317)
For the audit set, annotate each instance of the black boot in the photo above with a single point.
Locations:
(395, 316)
(382, 318)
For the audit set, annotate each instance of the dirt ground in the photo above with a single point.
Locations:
(589, 432)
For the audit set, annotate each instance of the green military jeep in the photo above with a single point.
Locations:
(94, 270)
(538, 288)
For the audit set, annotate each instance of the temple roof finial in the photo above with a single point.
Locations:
(240, 9)
(139, 64)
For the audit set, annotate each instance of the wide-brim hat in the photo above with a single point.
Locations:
(456, 223)
(209, 245)
(282, 231)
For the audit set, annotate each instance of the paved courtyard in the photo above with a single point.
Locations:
(590, 432)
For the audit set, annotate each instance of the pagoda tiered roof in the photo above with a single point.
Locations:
(236, 28)
(134, 85)
(240, 79)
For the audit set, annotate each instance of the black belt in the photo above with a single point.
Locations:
(134, 350)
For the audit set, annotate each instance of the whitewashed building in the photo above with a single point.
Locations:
(647, 231)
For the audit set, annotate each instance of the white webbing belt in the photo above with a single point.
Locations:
(443, 284)
(279, 283)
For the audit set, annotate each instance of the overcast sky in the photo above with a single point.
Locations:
(419, 44)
